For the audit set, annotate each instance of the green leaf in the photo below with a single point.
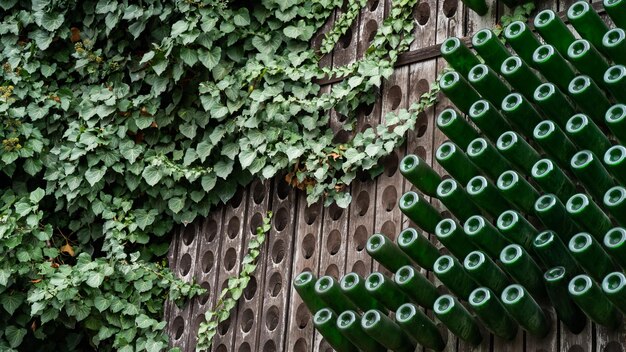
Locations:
(94, 279)
(189, 56)
(210, 58)
(93, 175)
(37, 195)
(145, 218)
(178, 28)
(10, 302)
(223, 168)
(101, 303)
(208, 182)
(176, 204)
(203, 149)
(152, 175)
(14, 335)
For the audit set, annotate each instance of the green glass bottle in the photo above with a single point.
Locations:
(349, 324)
(454, 197)
(553, 214)
(554, 142)
(418, 248)
(488, 84)
(492, 313)
(420, 174)
(484, 155)
(485, 271)
(587, 22)
(614, 44)
(616, 9)
(615, 245)
(590, 255)
(417, 325)
(456, 53)
(556, 280)
(458, 90)
(525, 310)
(325, 322)
(590, 171)
(454, 160)
(419, 211)
(554, 103)
(517, 191)
(614, 287)
(553, 66)
(386, 332)
(490, 48)
(451, 235)
(588, 215)
(304, 284)
(452, 274)
(383, 250)
(587, 59)
(487, 196)
(487, 117)
(520, 76)
(552, 252)
(328, 289)
(416, 286)
(485, 235)
(353, 286)
(589, 97)
(586, 134)
(515, 149)
(517, 229)
(615, 161)
(385, 290)
(589, 297)
(458, 320)
(552, 179)
(521, 267)
(553, 30)
(615, 82)
(478, 6)
(456, 128)
(522, 39)
(615, 202)
(615, 119)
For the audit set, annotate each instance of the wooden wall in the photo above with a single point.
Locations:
(270, 316)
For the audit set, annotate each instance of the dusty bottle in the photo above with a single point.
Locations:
(454, 160)
(349, 324)
(552, 252)
(416, 286)
(488, 84)
(520, 76)
(588, 168)
(554, 142)
(551, 179)
(487, 158)
(515, 149)
(615, 119)
(617, 11)
(522, 40)
(456, 128)
(385, 290)
(325, 322)
(458, 90)
(615, 202)
(418, 248)
(492, 313)
(521, 266)
(383, 250)
(485, 271)
(590, 298)
(554, 216)
(555, 104)
(614, 287)
(586, 134)
(386, 332)
(353, 286)
(328, 289)
(490, 48)
(525, 310)
(487, 117)
(456, 53)
(553, 66)
(517, 190)
(615, 245)
(587, 59)
(614, 43)
(458, 320)
(589, 97)
(587, 22)
(451, 235)
(487, 196)
(615, 161)
(588, 215)
(517, 229)
(590, 255)
(419, 211)
(304, 284)
(417, 325)
(454, 197)
(553, 30)
(556, 280)
(420, 174)
(478, 6)
(615, 82)
(452, 274)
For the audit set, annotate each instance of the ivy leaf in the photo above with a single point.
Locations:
(37, 195)
(4, 276)
(223, 168)
(189, 56)
(93, 175)
(210, 58)
(10, 302)
(292, 32)
(101, 303)
(178, 28)
(14, 335)
(176, 204)
(143, 285)
(246, 157)
(294, 152)
(145, 218)
(152, 175)
(208, 182)
(95, 279)
(203, 149)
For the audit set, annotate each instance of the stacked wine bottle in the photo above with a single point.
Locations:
(536, 188)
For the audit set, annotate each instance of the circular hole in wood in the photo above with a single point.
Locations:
(233, 227)
(335, 211)
(270, 346)
(449, 7)
(422, 13)
(359, 268)
(300, 345)
(250, 290)
(223, 327)
(247, 320)
(311, 212)
(185, 264)
(390, 163)
(613, 346)
(366, 109)
(211, 230)
(255, 222)
(271, 318)
(341, 117)
(362, 176)
(421, 152)
(207, 261)
(308, 246)
(278, 251)
(317, 41)
(389, 229)
(258, 192)
(421, 129)
(199, 320)
(332, 270)
(205, 297)
(394, 96)
(244, 347)
(362, 202)
(342, 136)
(345, 39)
(372, 5)
(370, 29)
(282, 188)
(275, 285)
(281, 219)
(221, 348)
(390, 198)
(189, 233)
(230, 258)
(333, 242)
(235, 201)
(360, 237)
(302, 316)
(422, 87)
(576, 348)
(178, 326)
